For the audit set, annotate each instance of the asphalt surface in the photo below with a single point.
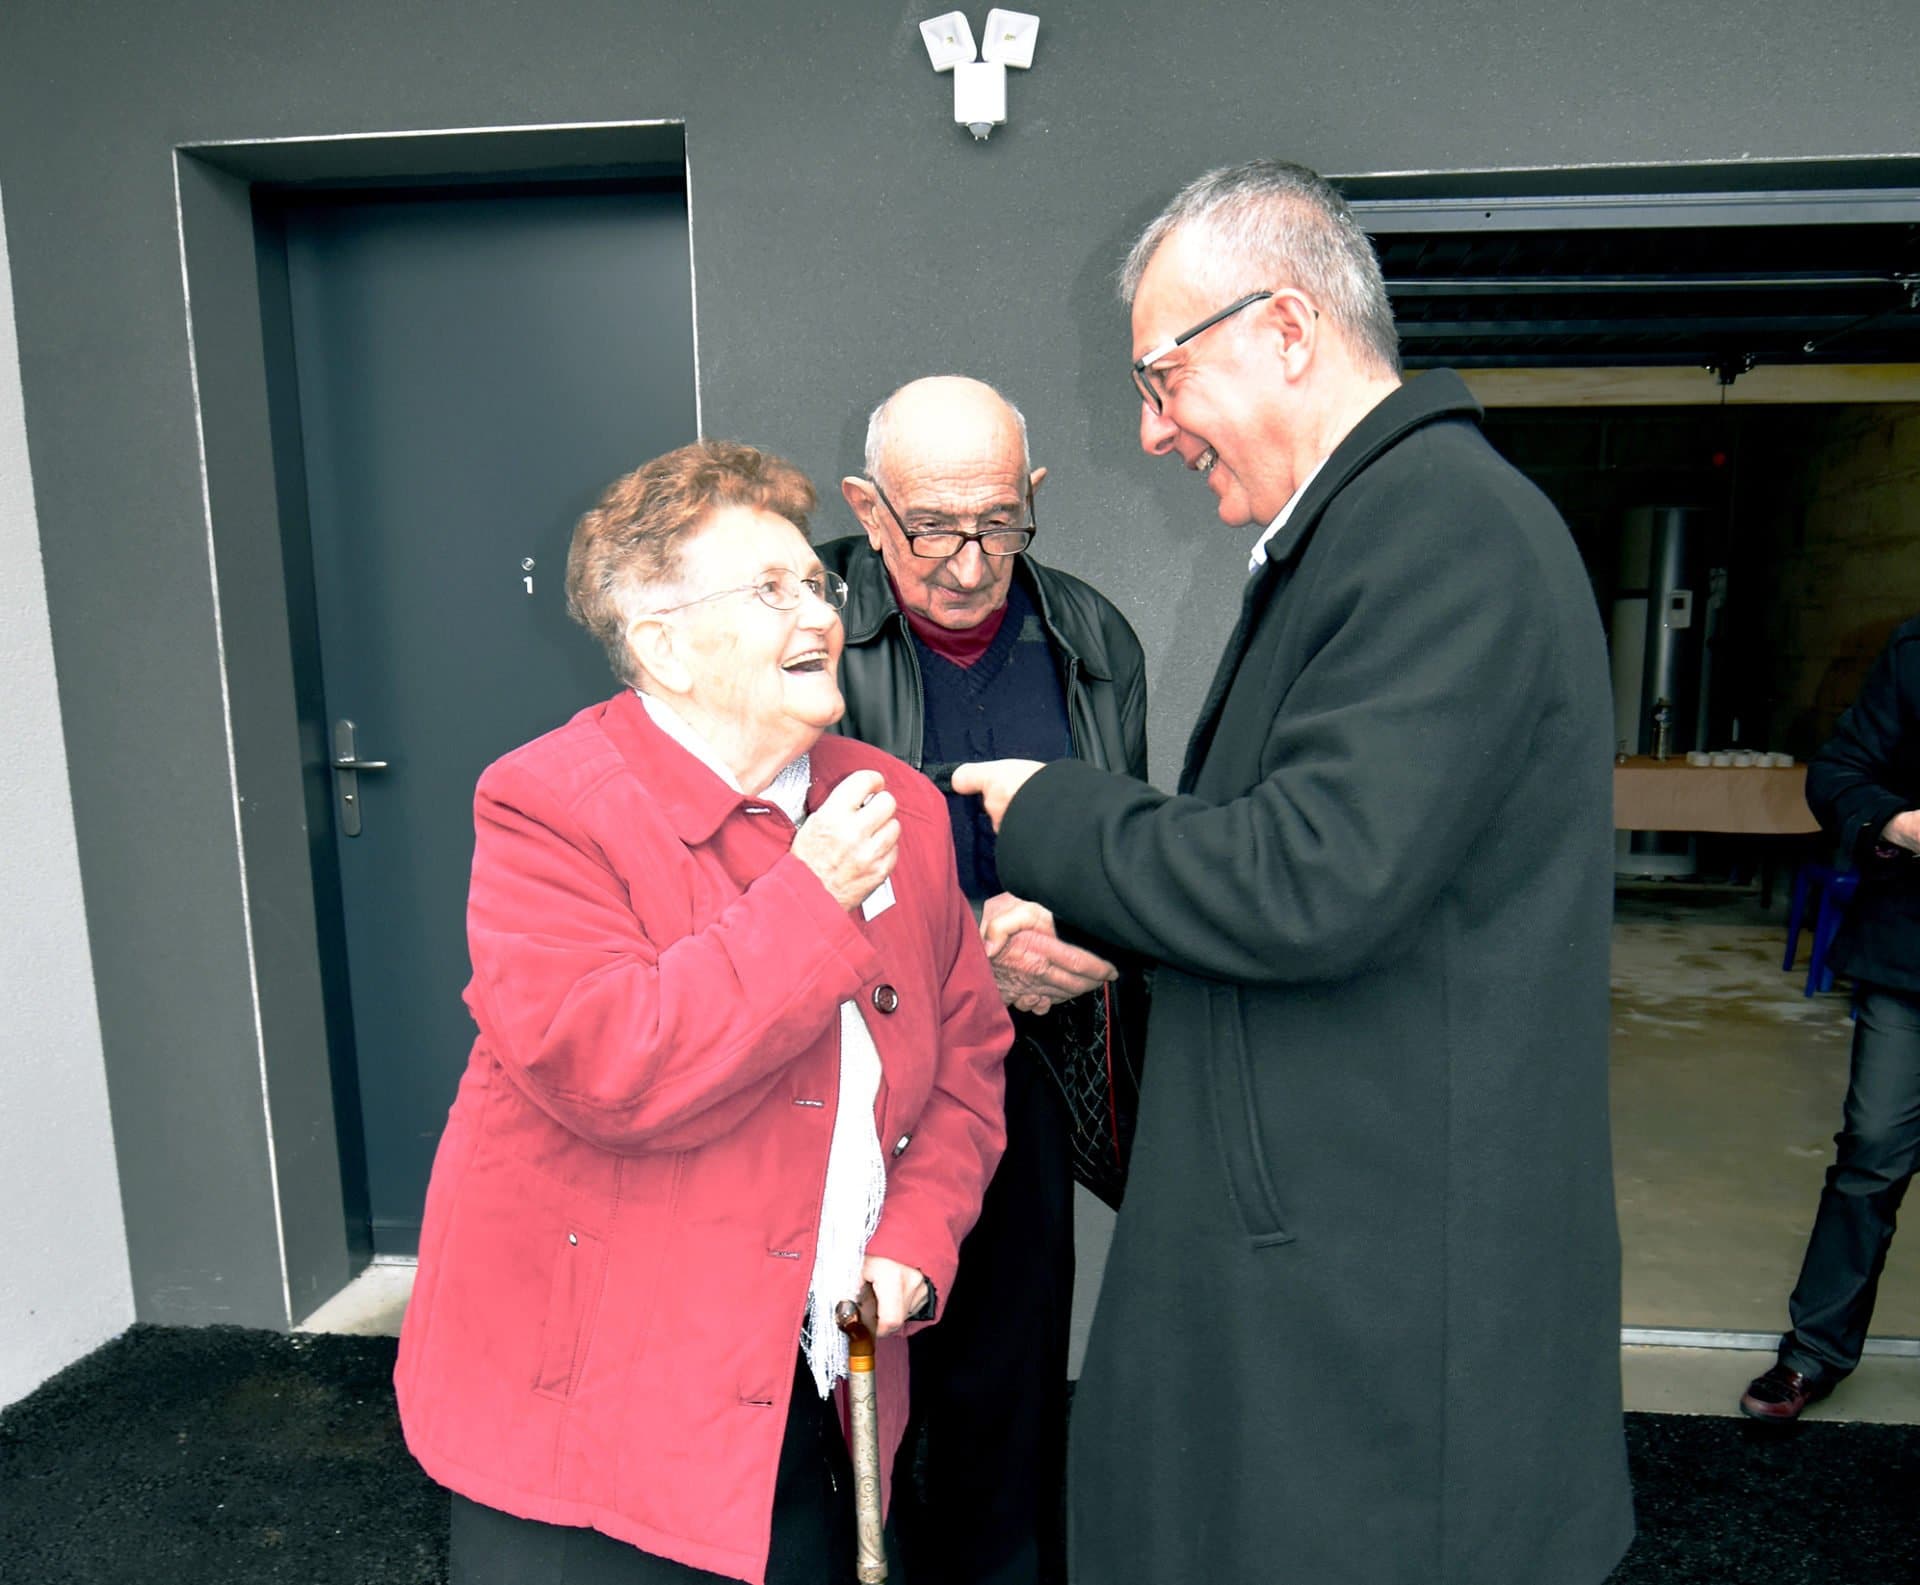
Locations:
(231, 1457)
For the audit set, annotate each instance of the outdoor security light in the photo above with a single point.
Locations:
(980, 86)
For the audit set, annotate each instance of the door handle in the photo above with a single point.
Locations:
(347, 766)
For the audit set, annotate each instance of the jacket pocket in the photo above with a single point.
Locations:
(1236, 1121)
(573, 1300)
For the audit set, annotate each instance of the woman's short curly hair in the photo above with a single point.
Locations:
(626, 553)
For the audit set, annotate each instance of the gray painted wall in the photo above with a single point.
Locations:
(847, 236)
(64, 1287)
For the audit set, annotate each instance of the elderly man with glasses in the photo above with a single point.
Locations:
(961, 645)
(1360, 1318)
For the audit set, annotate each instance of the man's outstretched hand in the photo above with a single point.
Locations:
(994, 782)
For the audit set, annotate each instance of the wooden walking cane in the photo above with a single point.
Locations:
(856, 1320)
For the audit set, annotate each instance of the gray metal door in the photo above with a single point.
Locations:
(471, 372)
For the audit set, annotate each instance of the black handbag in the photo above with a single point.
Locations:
(1090, 1048)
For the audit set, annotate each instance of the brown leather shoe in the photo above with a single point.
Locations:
(1780, 1394)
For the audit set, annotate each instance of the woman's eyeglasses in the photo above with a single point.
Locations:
(780, 589)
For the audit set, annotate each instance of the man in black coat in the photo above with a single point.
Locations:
(1864, 785)
(1360, 1322)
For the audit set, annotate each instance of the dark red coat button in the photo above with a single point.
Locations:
(885, 998)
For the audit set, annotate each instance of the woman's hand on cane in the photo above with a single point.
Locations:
(898, 1291)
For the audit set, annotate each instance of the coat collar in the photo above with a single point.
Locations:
(695, 801)
(1438, 394)
(871, 605)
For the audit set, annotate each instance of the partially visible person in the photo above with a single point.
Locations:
(962, 645)
(1864, 786)
(739, 1052)
(1360, 1323)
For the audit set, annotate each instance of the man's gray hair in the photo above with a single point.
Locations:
(880, 428)
(1270, 224)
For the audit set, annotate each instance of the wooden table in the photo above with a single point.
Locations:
(1671, 795)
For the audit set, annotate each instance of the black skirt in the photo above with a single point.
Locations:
(813, 1523)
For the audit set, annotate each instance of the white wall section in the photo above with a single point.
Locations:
(64, 1282)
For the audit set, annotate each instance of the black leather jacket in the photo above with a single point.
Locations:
(1102, 669)
(1104, 677)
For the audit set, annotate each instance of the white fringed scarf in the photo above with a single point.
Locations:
(856, 1171)
(850, 1208)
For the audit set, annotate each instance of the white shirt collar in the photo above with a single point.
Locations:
(1259, 557)
(787, 792)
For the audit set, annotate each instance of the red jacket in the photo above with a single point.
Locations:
(619, 1228)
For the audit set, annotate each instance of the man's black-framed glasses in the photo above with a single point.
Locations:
(1152, 392)
(999, 534)
(779, 588)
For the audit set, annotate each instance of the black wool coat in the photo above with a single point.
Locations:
(1360, 1322)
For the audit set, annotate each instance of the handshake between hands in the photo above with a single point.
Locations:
(852, 841)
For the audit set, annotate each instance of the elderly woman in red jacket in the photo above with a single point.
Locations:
(739, 1052)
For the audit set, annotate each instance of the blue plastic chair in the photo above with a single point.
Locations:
(1836, 888)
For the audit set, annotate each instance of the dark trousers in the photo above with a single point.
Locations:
(813, 1524)
(1879, 1146)
(977, 1493)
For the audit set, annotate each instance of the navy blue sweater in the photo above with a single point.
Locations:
(1008, 704)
